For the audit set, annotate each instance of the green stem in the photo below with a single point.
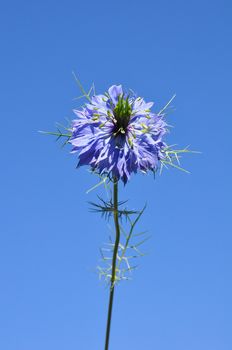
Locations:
(114, 264)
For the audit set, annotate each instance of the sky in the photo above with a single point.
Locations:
(179, 298)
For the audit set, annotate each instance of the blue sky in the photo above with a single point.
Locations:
(50, 296)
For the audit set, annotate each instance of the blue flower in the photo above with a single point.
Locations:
(116, 134)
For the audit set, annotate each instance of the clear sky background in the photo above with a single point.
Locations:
(50, 295)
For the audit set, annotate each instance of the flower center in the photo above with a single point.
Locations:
(122, 114)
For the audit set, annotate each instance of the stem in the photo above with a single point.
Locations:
(114, 263)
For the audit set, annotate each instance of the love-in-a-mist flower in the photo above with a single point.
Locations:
(116, 134)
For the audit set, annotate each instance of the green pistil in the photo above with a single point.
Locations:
(122, 113)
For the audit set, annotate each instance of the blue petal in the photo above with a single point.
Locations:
(115, 91)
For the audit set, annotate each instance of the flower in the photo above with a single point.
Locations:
(116, 134)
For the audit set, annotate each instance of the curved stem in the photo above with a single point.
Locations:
(114, 263)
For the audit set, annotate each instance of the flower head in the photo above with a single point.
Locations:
(116, 134)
